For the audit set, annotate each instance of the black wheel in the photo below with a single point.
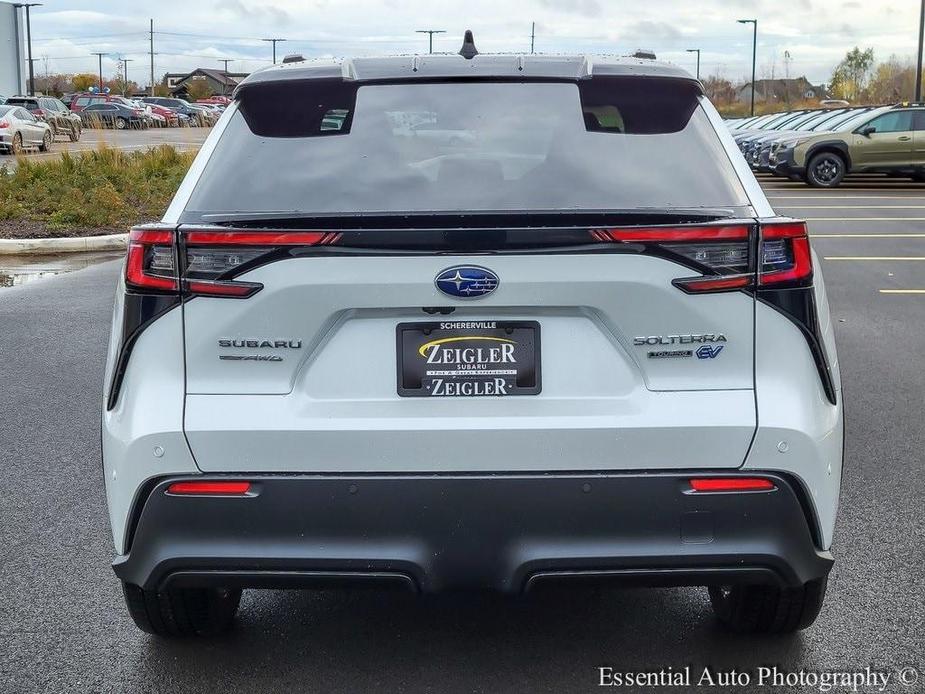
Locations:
(182, 611)
(16, 146)
(826, 170)
(46, 142)
(75, 133)
(121, 123)
(767, 609)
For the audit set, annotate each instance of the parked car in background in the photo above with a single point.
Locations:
(215, 99)
(46, 108)
(113, 115)
(207, 115)
(890, 141)
(19, 130)
(196, 116)
(171, 117)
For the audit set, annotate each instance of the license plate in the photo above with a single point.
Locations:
(468, 358)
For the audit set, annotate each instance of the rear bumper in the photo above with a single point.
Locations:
(501, 532)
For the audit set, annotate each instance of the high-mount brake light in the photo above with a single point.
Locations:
(151, 264)
(732, 484)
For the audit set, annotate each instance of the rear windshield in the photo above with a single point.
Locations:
(30, 104)
(339, 149)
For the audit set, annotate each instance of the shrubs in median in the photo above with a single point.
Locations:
(103, 189)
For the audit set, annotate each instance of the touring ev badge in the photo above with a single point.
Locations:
(467, 281)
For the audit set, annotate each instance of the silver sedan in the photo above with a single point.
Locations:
(19, 129)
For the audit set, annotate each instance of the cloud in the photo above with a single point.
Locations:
(587, 8)
(236, 9)
(649, 31)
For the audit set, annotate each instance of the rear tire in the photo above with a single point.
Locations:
(826, 170)
(178, 612)
(75, 133)
(16, 145)
(46, 142)
(768, 609)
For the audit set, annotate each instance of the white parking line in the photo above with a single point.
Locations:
(910, 235)
(844, 197)
(902, 291)
(872, 257)
(852, 207)
(865, 219)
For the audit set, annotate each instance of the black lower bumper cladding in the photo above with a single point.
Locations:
(503, 532)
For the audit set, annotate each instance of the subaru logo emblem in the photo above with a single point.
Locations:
(467, 281)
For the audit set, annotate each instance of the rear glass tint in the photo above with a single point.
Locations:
(336, 148)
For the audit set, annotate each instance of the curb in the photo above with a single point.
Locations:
(109, 242)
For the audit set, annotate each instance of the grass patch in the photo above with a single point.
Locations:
(100, 189)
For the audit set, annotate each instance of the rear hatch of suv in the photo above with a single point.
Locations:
(468, 276)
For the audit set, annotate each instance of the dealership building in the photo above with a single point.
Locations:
(12, 50)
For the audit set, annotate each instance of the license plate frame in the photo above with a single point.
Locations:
(490, 342)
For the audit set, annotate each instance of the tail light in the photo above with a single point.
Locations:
(785, 255)
(151, 262)
(39, 112)
(4, 123)
(724, 253)
(210, 258)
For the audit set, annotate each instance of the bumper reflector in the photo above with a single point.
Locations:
(212, 488)
(732, 484)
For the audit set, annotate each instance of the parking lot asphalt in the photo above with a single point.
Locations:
(63, 626)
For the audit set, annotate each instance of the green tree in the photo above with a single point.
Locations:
(892, 81)
(850, 77)
(198, 89)
(83, 81)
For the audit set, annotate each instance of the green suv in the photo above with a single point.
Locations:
(891, 140)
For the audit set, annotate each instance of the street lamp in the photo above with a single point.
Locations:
(430, 33)
(100, 56)
(27, 5)
(754, 23)
(918, 58)
(697, 51)
(125, 62)
(225, 84)
(274, 42)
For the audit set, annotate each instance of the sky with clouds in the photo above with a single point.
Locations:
(198, 33)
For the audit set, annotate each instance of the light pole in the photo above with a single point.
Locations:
(754, 23)
(697, 51)
(918, 61)
(27, 5)
(125, 62)
(226, 61)
(430, 35)
(100, 56)
(274, 42)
